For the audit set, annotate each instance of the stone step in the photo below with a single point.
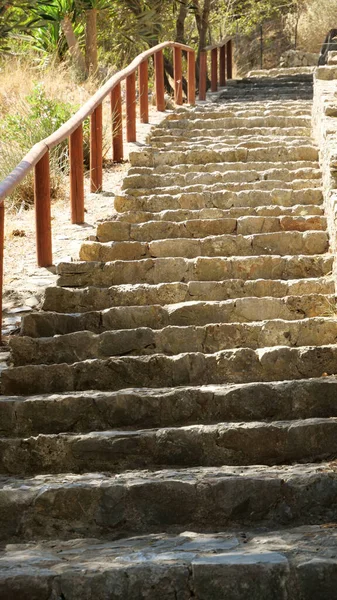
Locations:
(233, 122)
(203, 227)
(151, 158)
(162, 135)
(263, 565)
(115, 451)
(92, 299)
(290, 94)
(172, 340)
(274, 187)
(134, 217)
(228, 142)
(195, 178)
(152, 502)
(221, 111)
(222, 199)
(259, 244)
(80, 412)
(297, 73)
(224, 167)
(242, 365)
(166, 270)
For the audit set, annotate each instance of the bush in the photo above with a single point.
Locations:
(37, 118)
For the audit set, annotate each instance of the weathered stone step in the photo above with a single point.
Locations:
(221, 199)
(92, 299)
(254, 443)
(263, 565)
(167, 407)
(148, 157)
(290, 93)
(166, 270)
(293, 73)
(171, 340)
(281, 190)
(234, 122)
(213, 111)
(203, 227)
(163, 135)
(134, 217)
(165, 501)
(243, 365)
(259, 244)
(195, 178)
(224, 167)
(228, 142)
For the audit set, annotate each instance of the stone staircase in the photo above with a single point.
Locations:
(169, 420)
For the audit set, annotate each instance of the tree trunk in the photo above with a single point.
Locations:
(73, 45)
(180, 22)
(91, 41)
(202, 22)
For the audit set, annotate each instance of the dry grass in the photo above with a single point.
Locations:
(316, 19)
(18, 77)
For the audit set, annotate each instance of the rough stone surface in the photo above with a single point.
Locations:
(180, 383)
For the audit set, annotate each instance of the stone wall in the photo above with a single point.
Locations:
(298, 58)
(325, 133)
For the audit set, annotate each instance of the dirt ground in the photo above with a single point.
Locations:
(24, 282)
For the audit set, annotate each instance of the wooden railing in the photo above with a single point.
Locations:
(38, 157)
(221, 66)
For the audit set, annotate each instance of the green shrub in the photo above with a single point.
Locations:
(38, 118)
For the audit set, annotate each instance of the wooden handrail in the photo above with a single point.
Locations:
(63, 133)
(221, 65)
(38, 155)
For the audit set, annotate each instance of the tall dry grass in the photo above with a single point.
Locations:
(18, 79)
(316, 18)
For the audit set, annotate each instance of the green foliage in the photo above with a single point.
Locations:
(20, 131)
(45, 26)
(245, 15)
(13, 20)
(41, 118)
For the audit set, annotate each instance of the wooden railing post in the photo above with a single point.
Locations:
(202, 75)
(143, 85)
(222, 78)
(117, 123)
(214, 70)
(159, 78)
(76, 175)
(191, 77)
(178, 76)
(96, 150)
(229, 59)
(42, 212)
(2, 243)
(130, 99)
